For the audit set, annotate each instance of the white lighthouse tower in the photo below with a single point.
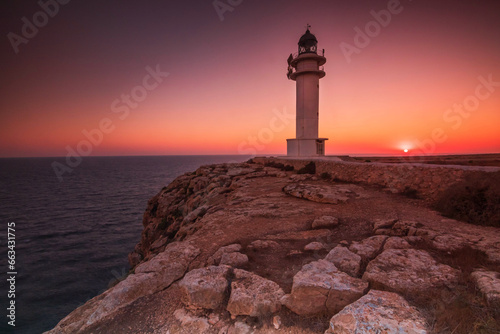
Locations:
(306, 68)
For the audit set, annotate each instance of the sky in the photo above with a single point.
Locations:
(209, 77)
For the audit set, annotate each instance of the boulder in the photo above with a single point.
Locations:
(325, 222)
(396, 243)
(409, 271)
(378, 312)
(215, 259)
(253, 295)
(383, 224)
(314, 246)
(205, 287)
(368, 248)
(488, 283)
(190, 323)
(319, 287)
(345, 260)
(236, 259)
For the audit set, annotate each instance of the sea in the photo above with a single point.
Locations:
(72, 236)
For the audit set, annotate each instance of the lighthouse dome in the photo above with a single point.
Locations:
(308, 42)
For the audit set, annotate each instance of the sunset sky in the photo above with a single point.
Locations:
(226, 91)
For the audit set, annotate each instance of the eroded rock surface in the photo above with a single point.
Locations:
(331, 194)
(345, 260)
(205, 287)
(253, 295)
(368, 248)
(378, 312)
(488, 283)
(319, 287)
(409, 271)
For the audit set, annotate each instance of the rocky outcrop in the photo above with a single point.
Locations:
(319, 287)
(150, 277)
(409, 272)
(205, 287)
(202, 227)
(378, 312)
(345, 260)
(428, 181)
(253, 295)
(488, 283)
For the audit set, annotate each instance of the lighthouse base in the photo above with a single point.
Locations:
(306, 147)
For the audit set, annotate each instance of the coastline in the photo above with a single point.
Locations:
(188, 223)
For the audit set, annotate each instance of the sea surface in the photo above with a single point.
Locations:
(72, 237)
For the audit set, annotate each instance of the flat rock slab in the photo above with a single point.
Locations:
(205, 287)
(488, 282)
(409, 271)
(319, 287)
(378, 312)
(300, 235)
(332, 194)
(253, 295)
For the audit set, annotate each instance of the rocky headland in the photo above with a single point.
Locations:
(342, 247)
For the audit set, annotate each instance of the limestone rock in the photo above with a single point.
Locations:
(409, 271)
(378, 312)
(333, 194)
(263, 244)
(240, 328)
(150, 277)
(396, 243)
(235, 259)
(320, 287)
(345, 260)
(325, 222)
(404, 228)
(238, 171)
(314, 246)
(253, 295)
(192, 323)
(215, 259)
(368, 248)
(205, 287)
(488, 282)
(383, 224)
(198, 212)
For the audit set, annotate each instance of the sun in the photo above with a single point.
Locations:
(405, 150)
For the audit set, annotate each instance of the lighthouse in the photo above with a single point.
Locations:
(306, 68)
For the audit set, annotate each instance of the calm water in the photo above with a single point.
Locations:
(73, 237)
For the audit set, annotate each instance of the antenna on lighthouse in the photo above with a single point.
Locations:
(308, 26)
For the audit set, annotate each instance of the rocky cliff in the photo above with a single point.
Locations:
(245, 248)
